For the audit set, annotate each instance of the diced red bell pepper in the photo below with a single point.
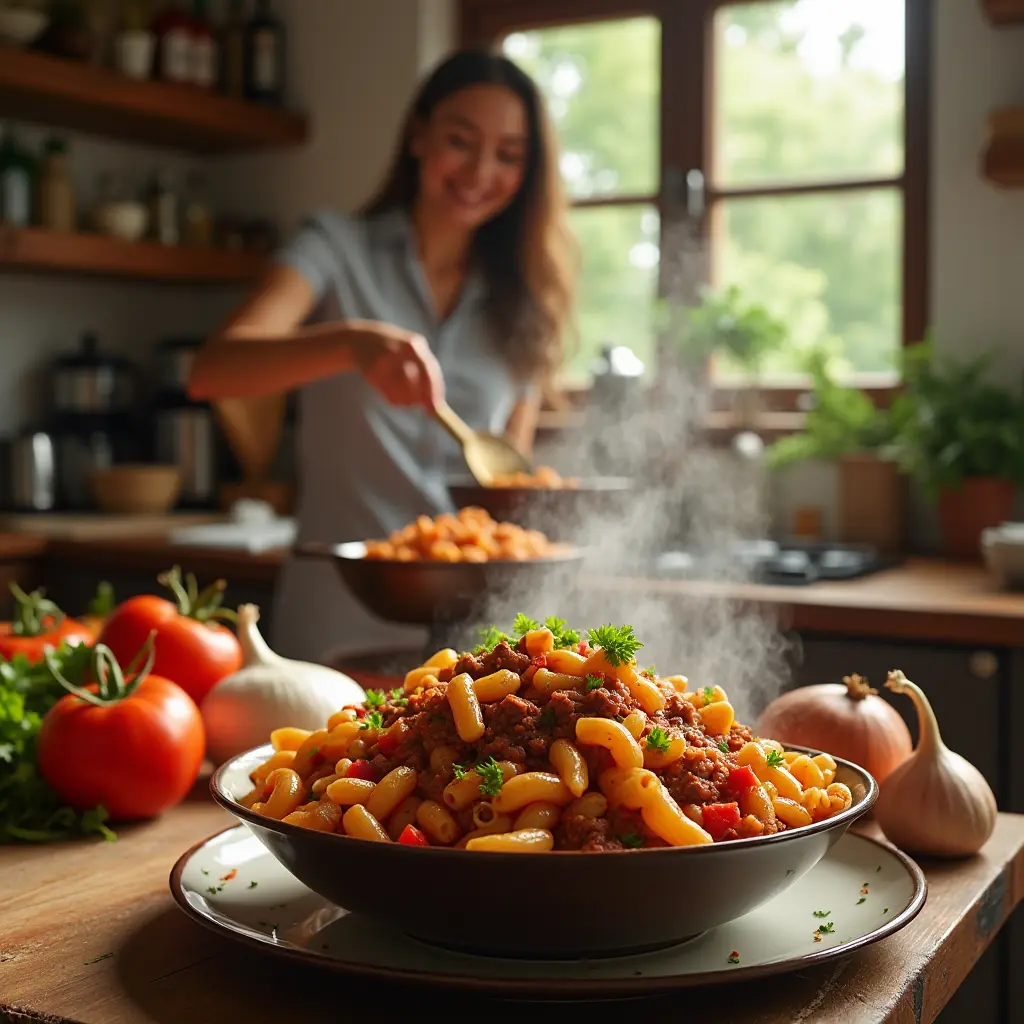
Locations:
(412, 836)
(741, 779)
(582, 649)
(719, 818)
(392, 739)
(359, 709)
(541, 661)
(361, 769)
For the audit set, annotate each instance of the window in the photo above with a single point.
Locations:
(602, 84)
(777, 146)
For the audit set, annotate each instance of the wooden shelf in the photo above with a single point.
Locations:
(36, 250)
(34, 87)
(1003, 157)
(1004, 12)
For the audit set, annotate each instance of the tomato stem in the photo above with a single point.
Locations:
(105, 669)
(35, 613)
(193, 603)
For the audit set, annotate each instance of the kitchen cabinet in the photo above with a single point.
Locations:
(976, 692)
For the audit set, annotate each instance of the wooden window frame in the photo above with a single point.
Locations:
(686, 138)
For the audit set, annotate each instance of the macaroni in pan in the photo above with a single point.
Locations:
(538, 741)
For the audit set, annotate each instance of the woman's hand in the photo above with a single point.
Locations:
(396, 363)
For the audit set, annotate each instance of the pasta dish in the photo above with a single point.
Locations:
(542, 740)
(470, 536)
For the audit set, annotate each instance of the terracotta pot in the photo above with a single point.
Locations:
(872, 502)
(979, 503)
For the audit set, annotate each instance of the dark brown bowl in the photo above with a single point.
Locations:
(425, 593)
(553, 905)
(556, 511)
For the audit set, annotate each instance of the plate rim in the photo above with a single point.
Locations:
(553, 987)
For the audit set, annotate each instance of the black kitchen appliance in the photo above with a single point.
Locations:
(90, 382)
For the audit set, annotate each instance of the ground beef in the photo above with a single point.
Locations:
(512, 730)
(698, 776)
(608, 701)
(738, 735)
(679, 711)
(577, 832)
(505, 657)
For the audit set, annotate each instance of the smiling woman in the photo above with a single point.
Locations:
(454, 281)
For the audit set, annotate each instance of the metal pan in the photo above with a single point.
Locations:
(427, 593)
(557, 511)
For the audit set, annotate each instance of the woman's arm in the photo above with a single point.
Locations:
(522, 424)
(263, 349)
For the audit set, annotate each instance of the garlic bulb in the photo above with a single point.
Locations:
(936, 802)
(269, 692)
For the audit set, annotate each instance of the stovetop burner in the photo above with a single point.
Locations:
(791, 563)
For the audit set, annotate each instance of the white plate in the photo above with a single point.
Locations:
(230, 883)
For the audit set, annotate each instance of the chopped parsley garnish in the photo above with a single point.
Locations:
(546, 719)
(491, 779)
(879, 868)
(214, 889)
(490, 637)
(314, 752)
(253, 884)
(594, 683)
(861, 900)
(723, 746)
(631, 841)
(523, 624)
(458, 771)
(774, 758)
(708, 693)
(828, 928)
(659, 740)
(563, 637)
(822, 913)
(204, 871)
(734, 957)
(619, 643)
(885, 910)
(375, 699)
(651, 672)
(374, 720)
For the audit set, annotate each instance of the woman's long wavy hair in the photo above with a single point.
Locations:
(526, 253)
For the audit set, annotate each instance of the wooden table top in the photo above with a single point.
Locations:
(90, 934)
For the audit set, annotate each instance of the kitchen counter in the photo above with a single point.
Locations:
(923, 599)
(90, 933)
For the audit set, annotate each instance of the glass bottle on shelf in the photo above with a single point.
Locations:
(205, 55)
(264, 55)
(17, 176)
(197, 219)
(163, 211)
(134, 45)
(173, 31)
(232, 80)
(56, 190)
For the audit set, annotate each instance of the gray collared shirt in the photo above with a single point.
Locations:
(365, 467)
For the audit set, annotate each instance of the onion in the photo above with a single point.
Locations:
(269, 692)
(849, 721)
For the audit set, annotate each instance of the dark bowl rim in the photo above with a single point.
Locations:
(846, 818)
(561, 989)
(344, 552)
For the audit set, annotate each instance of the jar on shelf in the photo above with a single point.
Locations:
(56, 190)
(134, 45)
(164, 224)
(197, 221)
(17, 180)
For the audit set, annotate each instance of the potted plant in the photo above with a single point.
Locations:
(961, 438)
(844, 426)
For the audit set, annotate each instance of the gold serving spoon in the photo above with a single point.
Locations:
(487, 455)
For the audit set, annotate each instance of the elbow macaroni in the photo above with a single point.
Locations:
(473, 760)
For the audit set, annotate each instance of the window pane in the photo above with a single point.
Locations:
(601, 81)
(808, 90)
(619, 246)
(827, 265)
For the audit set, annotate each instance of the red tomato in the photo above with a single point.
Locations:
(719, 818)
(361, 769)
(13, 644)
(136, 757)
(191, 649)
(392, 739)
(412, 836)
(742, 778)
